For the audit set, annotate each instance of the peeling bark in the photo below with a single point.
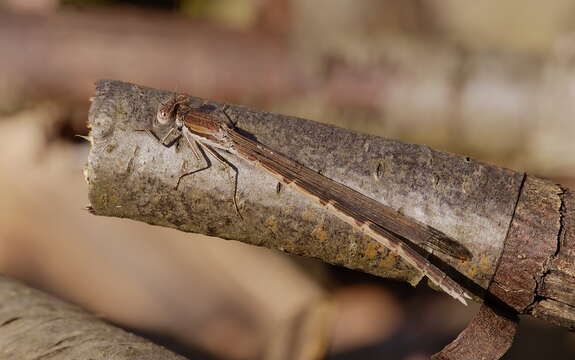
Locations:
(555, 297)
(530, 244)
(489, 335)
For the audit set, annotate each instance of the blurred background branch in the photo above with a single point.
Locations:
(37, 325)
(487, 79)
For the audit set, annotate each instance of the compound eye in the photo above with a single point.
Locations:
(162, 117)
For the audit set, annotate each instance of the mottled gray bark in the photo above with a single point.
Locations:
(34, 325)
(130, 175)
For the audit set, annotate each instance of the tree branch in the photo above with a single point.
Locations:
(131, 175)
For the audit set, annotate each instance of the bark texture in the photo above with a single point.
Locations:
(34, 325)
(555, 291)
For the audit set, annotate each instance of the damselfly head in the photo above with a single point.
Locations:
(166, 110)
(163, 116)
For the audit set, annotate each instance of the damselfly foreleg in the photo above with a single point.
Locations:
(197, 150)
(228, 165)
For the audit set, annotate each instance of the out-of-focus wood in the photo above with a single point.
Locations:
(34, 325)
(64, 53)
